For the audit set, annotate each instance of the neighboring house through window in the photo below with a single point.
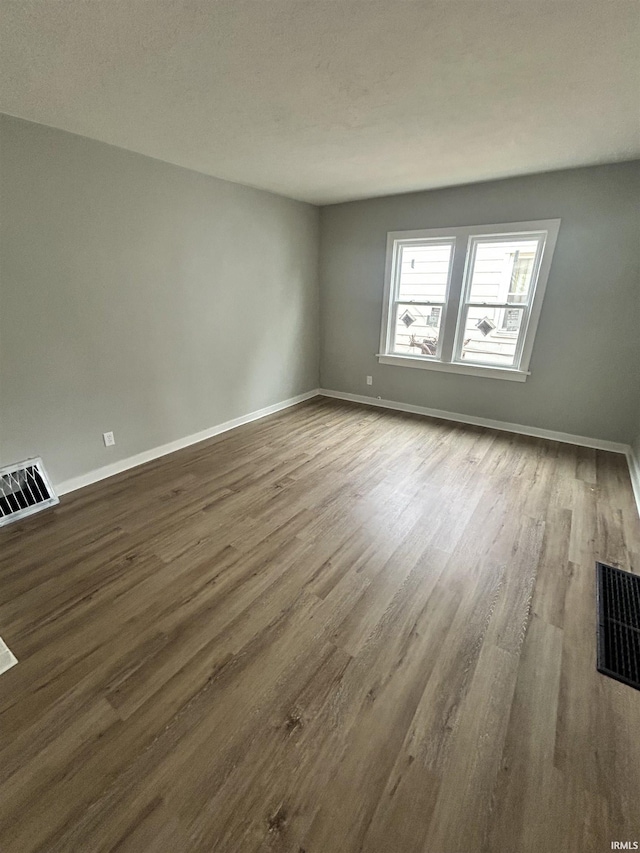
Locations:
(466, 300)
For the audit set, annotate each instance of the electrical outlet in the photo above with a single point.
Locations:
(108, 439)
(369, 380)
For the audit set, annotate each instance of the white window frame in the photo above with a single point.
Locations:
(464, 240)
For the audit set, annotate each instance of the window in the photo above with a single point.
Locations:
(466, 300)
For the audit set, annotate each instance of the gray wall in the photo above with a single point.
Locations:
(586, 360)
(139, 297)
(636, 441)
(143, 298)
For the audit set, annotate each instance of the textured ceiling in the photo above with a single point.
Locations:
(332, 100)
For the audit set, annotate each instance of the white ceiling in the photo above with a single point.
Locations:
(332, 100)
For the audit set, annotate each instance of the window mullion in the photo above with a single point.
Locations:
(452, 304)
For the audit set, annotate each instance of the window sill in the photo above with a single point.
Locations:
(449, 367)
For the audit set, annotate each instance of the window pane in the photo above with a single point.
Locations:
(502, 270)
(491, 335)
(424, 272)
(417, 329)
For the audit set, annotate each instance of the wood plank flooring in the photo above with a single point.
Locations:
(336, 630)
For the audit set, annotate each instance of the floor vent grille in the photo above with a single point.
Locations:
(618, 595)
(24, 489)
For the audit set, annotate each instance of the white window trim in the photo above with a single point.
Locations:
(448, 344)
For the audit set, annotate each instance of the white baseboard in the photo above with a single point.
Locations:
(155, 453)
(634, 471)
(520, 429)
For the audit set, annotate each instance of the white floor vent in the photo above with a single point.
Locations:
(24, 489)
(7, 659)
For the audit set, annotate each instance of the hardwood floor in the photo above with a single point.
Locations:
(338, 629)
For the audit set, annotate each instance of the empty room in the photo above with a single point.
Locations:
(319, 426)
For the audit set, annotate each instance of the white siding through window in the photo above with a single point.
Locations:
(420, 297)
